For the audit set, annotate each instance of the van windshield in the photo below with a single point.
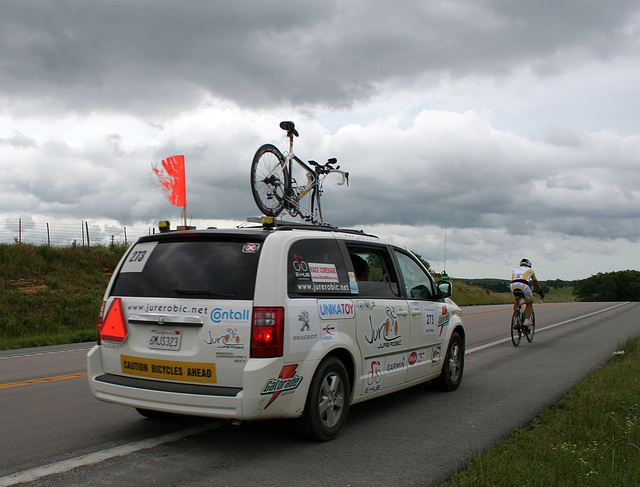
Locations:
(189, 269)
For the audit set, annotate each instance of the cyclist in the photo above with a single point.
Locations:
(522, 279)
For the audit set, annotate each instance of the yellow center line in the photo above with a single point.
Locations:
(42, 380)
(487, 312)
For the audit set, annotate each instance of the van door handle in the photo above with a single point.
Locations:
(403, 312)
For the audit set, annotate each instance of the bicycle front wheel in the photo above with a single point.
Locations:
(269, 177)
(516, 328)
(532, 328)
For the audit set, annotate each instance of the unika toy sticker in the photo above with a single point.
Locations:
(336, 309)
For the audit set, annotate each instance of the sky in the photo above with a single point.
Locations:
(475, 132)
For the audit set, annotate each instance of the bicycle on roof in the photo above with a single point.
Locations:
(275, 188)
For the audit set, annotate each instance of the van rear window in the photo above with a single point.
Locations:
(190, 269)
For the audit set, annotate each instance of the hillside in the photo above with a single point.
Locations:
(467, 294)
(51, 295)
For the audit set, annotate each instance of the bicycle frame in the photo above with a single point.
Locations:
(294, 193)
(518, 329)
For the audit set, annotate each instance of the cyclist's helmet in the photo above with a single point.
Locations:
(526, 263)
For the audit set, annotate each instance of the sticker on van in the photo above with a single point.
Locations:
(138, 257)
(169, 369)
(304, 329)
(336, 309)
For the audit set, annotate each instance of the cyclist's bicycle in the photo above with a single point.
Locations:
(517, 321)
(274, 187)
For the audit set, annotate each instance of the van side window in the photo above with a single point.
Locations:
(373, 271)
(316, 266)
(418, 284)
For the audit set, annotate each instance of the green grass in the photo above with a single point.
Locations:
(465, 294)
(52, 295)
(591, 437)
(560, 295)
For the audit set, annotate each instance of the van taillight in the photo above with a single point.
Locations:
(267, 332)
(100, 320)
(113, 325)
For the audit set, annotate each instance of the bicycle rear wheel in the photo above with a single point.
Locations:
(269, 178)
(529, 332)
(516, 328)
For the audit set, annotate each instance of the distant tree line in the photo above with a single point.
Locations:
(503, 286)
(611, 286)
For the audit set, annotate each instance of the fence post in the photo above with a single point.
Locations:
(48, 236)
(87, 226)
(20, 230)
(125, 235)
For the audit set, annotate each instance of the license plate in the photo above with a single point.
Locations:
(165, 339)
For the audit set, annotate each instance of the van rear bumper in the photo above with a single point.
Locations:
(176, 387)
(180, 397)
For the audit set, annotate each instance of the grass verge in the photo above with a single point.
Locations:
(49, 295)
(591, 437)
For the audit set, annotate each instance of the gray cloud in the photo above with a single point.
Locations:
(510, 123)
(154, 56)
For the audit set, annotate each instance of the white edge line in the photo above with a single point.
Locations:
(548, 327)
(97, 457)
(38, 354)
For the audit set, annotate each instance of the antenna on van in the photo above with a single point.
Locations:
(444, 271)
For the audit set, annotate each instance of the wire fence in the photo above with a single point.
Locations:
(83, 233)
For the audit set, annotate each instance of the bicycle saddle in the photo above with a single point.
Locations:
(290, 127)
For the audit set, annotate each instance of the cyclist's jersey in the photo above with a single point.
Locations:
(523, 275)
(521, 278)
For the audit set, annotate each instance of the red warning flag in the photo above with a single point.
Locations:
(172, 180)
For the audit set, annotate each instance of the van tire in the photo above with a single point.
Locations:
(453, 366)
(327, 404)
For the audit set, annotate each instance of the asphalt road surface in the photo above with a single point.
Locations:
(52, 432)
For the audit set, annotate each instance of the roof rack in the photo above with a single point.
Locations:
(278, 224)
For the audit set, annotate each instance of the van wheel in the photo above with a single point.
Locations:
(327, 405)
(157, 415)
(453, 366)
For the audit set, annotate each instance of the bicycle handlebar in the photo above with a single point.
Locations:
(344, 174)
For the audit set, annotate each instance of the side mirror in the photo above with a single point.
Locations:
(420, 292)
(445, 289)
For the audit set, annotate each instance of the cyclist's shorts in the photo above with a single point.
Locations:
(526, 290)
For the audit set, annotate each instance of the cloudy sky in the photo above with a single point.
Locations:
(480, 131)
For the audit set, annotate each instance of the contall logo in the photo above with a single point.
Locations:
(219, 314)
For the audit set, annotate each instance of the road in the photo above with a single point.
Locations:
(52, 432)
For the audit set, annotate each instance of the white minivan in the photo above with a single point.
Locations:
(271, 320)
